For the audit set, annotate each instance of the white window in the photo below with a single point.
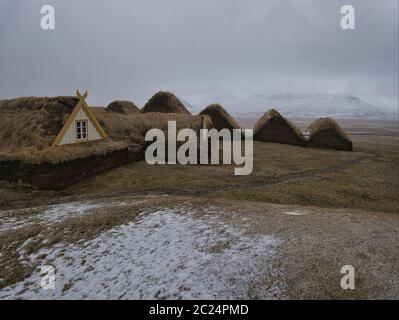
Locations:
(81, 130)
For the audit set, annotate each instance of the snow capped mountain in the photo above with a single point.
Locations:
(311, 105)
(305, 105)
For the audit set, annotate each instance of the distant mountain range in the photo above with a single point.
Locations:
(300, 105)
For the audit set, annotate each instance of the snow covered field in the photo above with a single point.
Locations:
(169, 253)
(162, 247)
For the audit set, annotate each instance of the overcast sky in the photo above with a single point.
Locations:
(129, 49)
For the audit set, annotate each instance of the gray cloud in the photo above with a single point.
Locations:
(130, 49)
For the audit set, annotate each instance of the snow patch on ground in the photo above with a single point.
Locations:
(59, 212)
(10, 223)
(14, 219)
(295, 213)
(170, 254)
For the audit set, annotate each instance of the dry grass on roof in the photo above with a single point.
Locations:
(219, 117)
(323, 124)
(133, 127)
(273, 127)
(326, 133)
(28, 127)
(274, 114)
(165, 102)
(123, 106)
(32, 122)
(57, 154)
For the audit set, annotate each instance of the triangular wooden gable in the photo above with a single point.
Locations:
(81, 105)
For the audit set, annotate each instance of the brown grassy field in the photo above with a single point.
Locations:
(367, 178)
